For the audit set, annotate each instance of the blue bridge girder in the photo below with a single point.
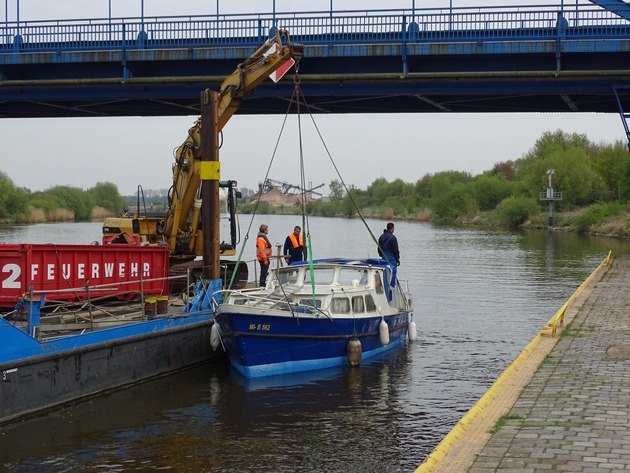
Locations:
(619, 7)
(554, 58)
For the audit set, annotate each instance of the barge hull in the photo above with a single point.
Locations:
(38, 383)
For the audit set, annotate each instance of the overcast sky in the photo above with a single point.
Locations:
(40, 153)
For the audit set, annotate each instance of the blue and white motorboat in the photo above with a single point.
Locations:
(333, 312)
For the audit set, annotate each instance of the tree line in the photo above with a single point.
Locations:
(593, 177)
(589, 175)
(20, 205)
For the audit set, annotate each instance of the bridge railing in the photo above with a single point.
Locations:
(327, 28)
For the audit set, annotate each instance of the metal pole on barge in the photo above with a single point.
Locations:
(210, 175)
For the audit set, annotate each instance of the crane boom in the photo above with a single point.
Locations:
(184, 196)
(181, 228)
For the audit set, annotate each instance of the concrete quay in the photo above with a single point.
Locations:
(564, 403)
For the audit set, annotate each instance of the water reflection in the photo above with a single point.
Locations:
(211, 419)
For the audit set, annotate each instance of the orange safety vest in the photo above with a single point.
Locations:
(295, 242)
(263, 250)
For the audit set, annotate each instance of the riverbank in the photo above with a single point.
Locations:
(59, 215)
(597, 220)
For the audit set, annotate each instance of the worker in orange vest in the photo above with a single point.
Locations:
(294, 249)
(263, 253)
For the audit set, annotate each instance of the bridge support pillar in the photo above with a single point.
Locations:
(624, 116)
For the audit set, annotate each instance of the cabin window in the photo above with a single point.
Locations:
(322, 276)
(378, 283)
(347, 275)
(370, 306)
(358, 307)
(309, 302)
(289, 276)
(240, 301)
(340, 305)
(283, 305)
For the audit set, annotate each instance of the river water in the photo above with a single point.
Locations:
(480, 296)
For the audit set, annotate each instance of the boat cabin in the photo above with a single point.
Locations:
(334, 286)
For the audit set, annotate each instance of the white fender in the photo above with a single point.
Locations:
(383, 331)
(412, 331)
(215, 338)
(354, 352)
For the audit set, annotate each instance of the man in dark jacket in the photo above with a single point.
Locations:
(294, 249)
(388, 249)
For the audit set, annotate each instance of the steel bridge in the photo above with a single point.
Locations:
(553, 58)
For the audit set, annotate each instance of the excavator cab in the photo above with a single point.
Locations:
(143, 227)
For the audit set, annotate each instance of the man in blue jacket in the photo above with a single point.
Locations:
(388, 249)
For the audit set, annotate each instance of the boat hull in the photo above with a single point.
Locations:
(39, 382)
(270, 344)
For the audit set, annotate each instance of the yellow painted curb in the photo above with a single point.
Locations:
(472, 432)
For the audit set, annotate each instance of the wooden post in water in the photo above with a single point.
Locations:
(210, 175)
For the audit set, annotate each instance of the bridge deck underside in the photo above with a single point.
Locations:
(543, 76)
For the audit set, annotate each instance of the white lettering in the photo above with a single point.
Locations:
(12, 281)
(93, 270)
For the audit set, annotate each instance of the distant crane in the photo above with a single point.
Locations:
(287, 188)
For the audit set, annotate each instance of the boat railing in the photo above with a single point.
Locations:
(98, 307)
(275, 301)
(101, 287)
(406, 294)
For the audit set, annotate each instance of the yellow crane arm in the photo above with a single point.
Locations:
(180, 222)
(249, 74)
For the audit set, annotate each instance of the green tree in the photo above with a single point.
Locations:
(336, 190)
(13, 200)
(105, 194)
(570, 156)
(514, 211)
(611, 163)
(73, 198)
(353, 202)
(488, 191)
(455, 203)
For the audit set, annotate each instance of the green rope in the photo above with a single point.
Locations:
(343, 183)
(251, 221)
(312, 272)
(238, 261)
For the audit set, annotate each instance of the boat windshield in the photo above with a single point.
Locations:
(347, 276)
(320, 276)
(289, 275)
